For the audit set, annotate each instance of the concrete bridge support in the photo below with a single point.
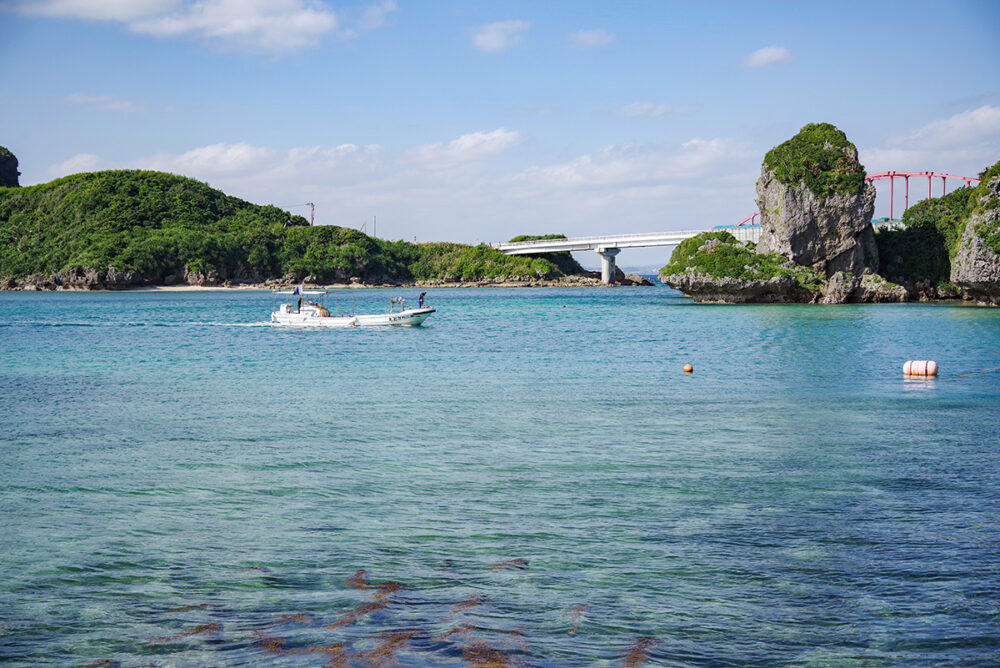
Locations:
(608, 264)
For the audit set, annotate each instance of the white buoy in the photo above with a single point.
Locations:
(920, 368)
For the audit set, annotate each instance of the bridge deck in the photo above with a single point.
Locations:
(751, 233)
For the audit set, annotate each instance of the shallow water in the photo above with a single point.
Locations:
(183, 485)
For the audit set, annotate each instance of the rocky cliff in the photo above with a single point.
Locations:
(8, 169)
(830, 235)
(816, 209)
(976, 266)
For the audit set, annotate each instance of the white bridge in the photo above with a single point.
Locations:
(608, 246)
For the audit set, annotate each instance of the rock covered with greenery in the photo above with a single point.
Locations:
(116, 229)
(8, 169)
(713, 267)
(817, 243)
(815, 207)
(822, 158)
(976, 265)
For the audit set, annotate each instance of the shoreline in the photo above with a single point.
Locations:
(577, 281)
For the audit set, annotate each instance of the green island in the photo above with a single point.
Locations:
(132, 227)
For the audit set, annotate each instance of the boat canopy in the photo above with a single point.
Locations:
(300, 291)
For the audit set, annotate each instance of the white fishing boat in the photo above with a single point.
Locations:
(307, 308)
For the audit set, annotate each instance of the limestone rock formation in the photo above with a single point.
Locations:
(830, 235)
(817, 243)
(706, 289)
(815, 207)
(8, 169)
(713, 267)
(196, 277)
(634, 279)
(844, 287)
(976, 267)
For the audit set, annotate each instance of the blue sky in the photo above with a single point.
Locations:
(475, 121)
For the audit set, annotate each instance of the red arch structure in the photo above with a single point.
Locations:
(891, 177)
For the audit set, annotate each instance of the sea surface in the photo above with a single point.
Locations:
(528, 480)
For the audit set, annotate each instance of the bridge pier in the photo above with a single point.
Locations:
(608, 264)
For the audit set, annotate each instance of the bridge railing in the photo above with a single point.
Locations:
(591, 240)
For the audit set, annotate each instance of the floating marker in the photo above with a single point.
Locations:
(690, 369)
(920, 368)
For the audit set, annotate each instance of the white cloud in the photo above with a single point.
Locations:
(229, 160)
(969, 127)
(766, 57)
(374, 16)
(468, 147)
(651, 110)
(99, 10)
(644, 166)
(267, 25)
(589, 39)
(272, 26)
(82, 162)
(500, 36)
(472, 188)
(105, 103)
(962, 144)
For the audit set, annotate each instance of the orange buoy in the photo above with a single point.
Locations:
(920, 368)
(688, 368)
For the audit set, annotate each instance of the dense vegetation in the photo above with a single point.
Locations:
(728, 258)
(990, 231)
(536, 237)
(820, 156)
(161, 225)
(923, 250)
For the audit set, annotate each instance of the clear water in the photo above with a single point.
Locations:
(182, 485)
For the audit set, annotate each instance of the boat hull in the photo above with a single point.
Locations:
(408, 318)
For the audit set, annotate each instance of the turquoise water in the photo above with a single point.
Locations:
(183, 485)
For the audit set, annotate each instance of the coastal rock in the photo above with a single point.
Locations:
(79, 278)
(196, 277)
(635, 279)
(706, 289)
(830, 235)
(8, 169)
(976, 267)
(875, 289)
(714, 267)
(844, 287)
(116, 280)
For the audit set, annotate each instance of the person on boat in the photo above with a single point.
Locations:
(420, 300)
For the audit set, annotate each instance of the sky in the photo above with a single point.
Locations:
(477, 121)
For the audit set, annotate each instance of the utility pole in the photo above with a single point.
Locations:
(374, 228)
(312, 212)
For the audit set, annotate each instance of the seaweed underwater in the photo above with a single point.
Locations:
(211, 627)
(638, 652)
(464, 636)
